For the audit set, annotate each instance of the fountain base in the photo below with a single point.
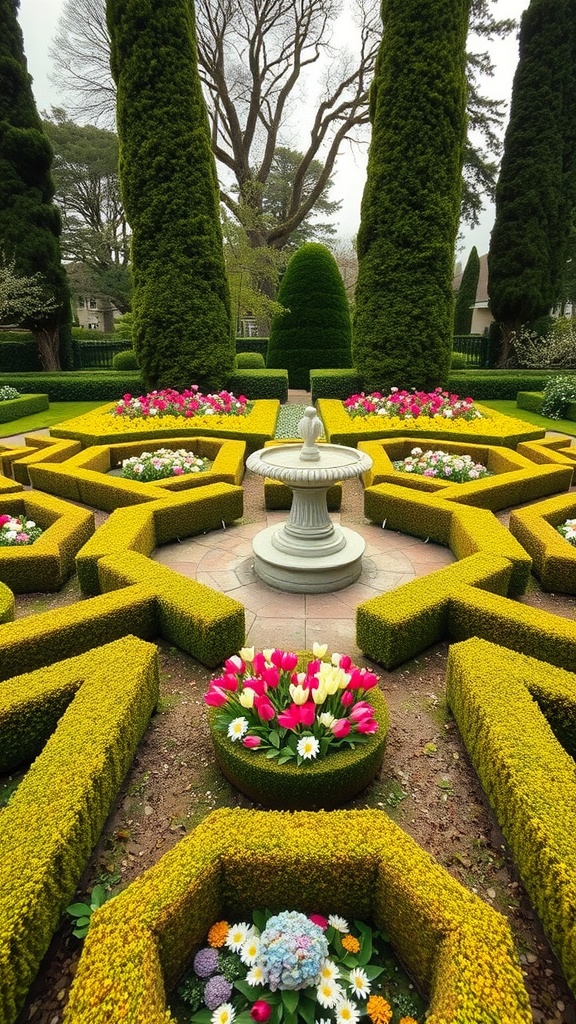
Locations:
(308, 571)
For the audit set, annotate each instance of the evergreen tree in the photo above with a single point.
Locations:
(536, 193)
(29, 221)
(466, 296)
(314, 332)
(181, 303)
(410, 207)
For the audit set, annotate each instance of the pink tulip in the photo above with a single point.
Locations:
(264, 708)
(215, 697)
(228, 682)
(346, 698)
(345, 662)
(260, 1011)
(367, 725)
(290, 718)
(251, 742)
(270, 676)
(259, 663)
(276, 657)
(307, 713)
(369, 680)
(340, 728)
(258, 685)
(356, 680)
(234, 664)
(313, 667)
(361, 710)
(289, 661)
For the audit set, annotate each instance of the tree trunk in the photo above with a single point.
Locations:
(48, 340)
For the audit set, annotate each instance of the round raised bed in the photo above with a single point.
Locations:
(322, 784)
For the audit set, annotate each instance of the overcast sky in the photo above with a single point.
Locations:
(39, 18)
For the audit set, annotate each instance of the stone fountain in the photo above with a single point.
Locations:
(308, 553)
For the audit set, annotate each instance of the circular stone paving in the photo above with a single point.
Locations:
(224, 560)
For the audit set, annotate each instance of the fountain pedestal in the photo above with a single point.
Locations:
(308, 553)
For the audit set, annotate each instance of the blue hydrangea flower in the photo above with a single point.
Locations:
(217, 991)
(292, 951)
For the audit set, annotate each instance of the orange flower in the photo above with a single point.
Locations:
(379, 1010)
(408, 1020)
(351, 944)
(217, 934)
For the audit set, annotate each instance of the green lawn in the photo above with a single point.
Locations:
(57, 413)
(509, 408)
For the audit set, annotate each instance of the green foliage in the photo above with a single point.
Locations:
(466, 296)
(83, 386)
(29, 221)
(536, 189)
(334, 384)
(315, 330)
(278, 194)
(181, 303)
(125, 360)
(82, 912)
(458, 361)
(410, 207)
(259, 384)
(559, 393)
(250, 361)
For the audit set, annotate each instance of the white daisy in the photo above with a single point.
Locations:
(237, 935)
(359, 984)
(308, 747)
(346, 1012)
(236, 730)
(250, 950)
(329, 971)
(328, 993)
(339, 923)
(223, 1014)
(255, 975)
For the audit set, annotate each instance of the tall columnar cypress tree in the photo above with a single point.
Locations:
(29, 221)
(410, 207)
(466, 296)
(315, 331)
(535, 194)
(181, 304)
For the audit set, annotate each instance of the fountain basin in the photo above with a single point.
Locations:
(308, 553)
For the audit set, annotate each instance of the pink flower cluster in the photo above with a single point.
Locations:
(187, 403)
(268, 705)
(412, 404)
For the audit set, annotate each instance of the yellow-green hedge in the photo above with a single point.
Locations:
(550, 450)
(84, 476)
(340, 428)
(38, 449)
(100, 427)
(553, 556)
(47, 563)
(528, 777)
(159, 521)
(358, 863)
(53, 821)
(7, 604)
(326, 783)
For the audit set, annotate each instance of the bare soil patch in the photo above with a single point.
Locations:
(426, 785)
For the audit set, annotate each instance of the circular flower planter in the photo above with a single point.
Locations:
(323, 784)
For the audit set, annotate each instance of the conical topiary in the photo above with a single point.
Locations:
(315, 330)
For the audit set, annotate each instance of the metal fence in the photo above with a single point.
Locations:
(477, 348)
(97, 355)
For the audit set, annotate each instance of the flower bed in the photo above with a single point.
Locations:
(255, 427)
(162, 464)
(190, 403)
(568, 531)
(297, 740)
(409, 405)
(16, 531)
(458, 469)
(458, 950)
(491, 428)
(290, 963)
(538, 529)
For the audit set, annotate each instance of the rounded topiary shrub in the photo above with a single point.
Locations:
(250, 361)
(322, 784)
(314, 332)
(125, 360)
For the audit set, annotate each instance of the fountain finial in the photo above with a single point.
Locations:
(310, 427)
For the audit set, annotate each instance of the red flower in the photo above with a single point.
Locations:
(319, 920)
(251, 741)
(260, 1011)
(215, 697)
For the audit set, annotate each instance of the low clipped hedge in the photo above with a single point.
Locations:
(360, 864)
(500, 701)
(334, 384)
(55, 817)
(78, 385)
(99, 427)
(494, 428)
(477, 384)
(47, 563)
(326, 783)
(533, 401)
(26, 405)
(259, 384)
(553, 556)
